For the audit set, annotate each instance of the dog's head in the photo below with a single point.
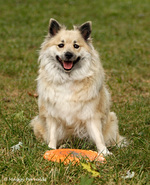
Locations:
(68, 49)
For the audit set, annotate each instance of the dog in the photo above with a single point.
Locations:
(73, 98)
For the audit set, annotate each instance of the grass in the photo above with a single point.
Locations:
(121, 36)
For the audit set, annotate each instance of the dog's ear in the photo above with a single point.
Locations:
(86, 29)
(54, 27)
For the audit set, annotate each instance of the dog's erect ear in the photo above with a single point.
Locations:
(54, 27)
(86, 29)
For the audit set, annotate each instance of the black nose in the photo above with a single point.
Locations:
(68, 55)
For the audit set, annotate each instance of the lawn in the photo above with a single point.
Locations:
(121, 34)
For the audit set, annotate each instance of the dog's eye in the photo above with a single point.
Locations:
(76, 46)
(60, 45)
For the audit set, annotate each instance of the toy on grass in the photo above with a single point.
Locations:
(73, 155)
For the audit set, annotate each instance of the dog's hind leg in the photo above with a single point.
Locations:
(39, 127)
(111, 132)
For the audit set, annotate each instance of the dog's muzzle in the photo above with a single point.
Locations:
(67, 64)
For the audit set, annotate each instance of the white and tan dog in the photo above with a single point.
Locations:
(73, 99)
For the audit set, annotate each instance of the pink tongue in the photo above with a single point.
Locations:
(67, 65)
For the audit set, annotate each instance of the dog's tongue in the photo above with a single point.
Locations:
(67, 64)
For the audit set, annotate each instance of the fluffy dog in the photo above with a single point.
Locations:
(73, 99)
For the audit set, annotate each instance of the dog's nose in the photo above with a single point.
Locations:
(68, 55)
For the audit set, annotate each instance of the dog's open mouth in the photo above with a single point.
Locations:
(67, 64)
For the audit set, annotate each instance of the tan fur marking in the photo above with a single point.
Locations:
(68, 41)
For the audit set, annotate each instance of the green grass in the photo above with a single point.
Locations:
(121, 34)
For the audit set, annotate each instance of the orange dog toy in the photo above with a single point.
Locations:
(73, 155)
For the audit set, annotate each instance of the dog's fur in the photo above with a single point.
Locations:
(73, 99)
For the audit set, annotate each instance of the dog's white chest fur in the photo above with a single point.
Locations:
(67, 101)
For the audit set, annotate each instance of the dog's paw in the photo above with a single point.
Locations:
(62, 146)
(51, 147)
(123, 143)
(105, 152)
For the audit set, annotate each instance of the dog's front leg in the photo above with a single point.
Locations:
(51, 132)
(94, 129)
